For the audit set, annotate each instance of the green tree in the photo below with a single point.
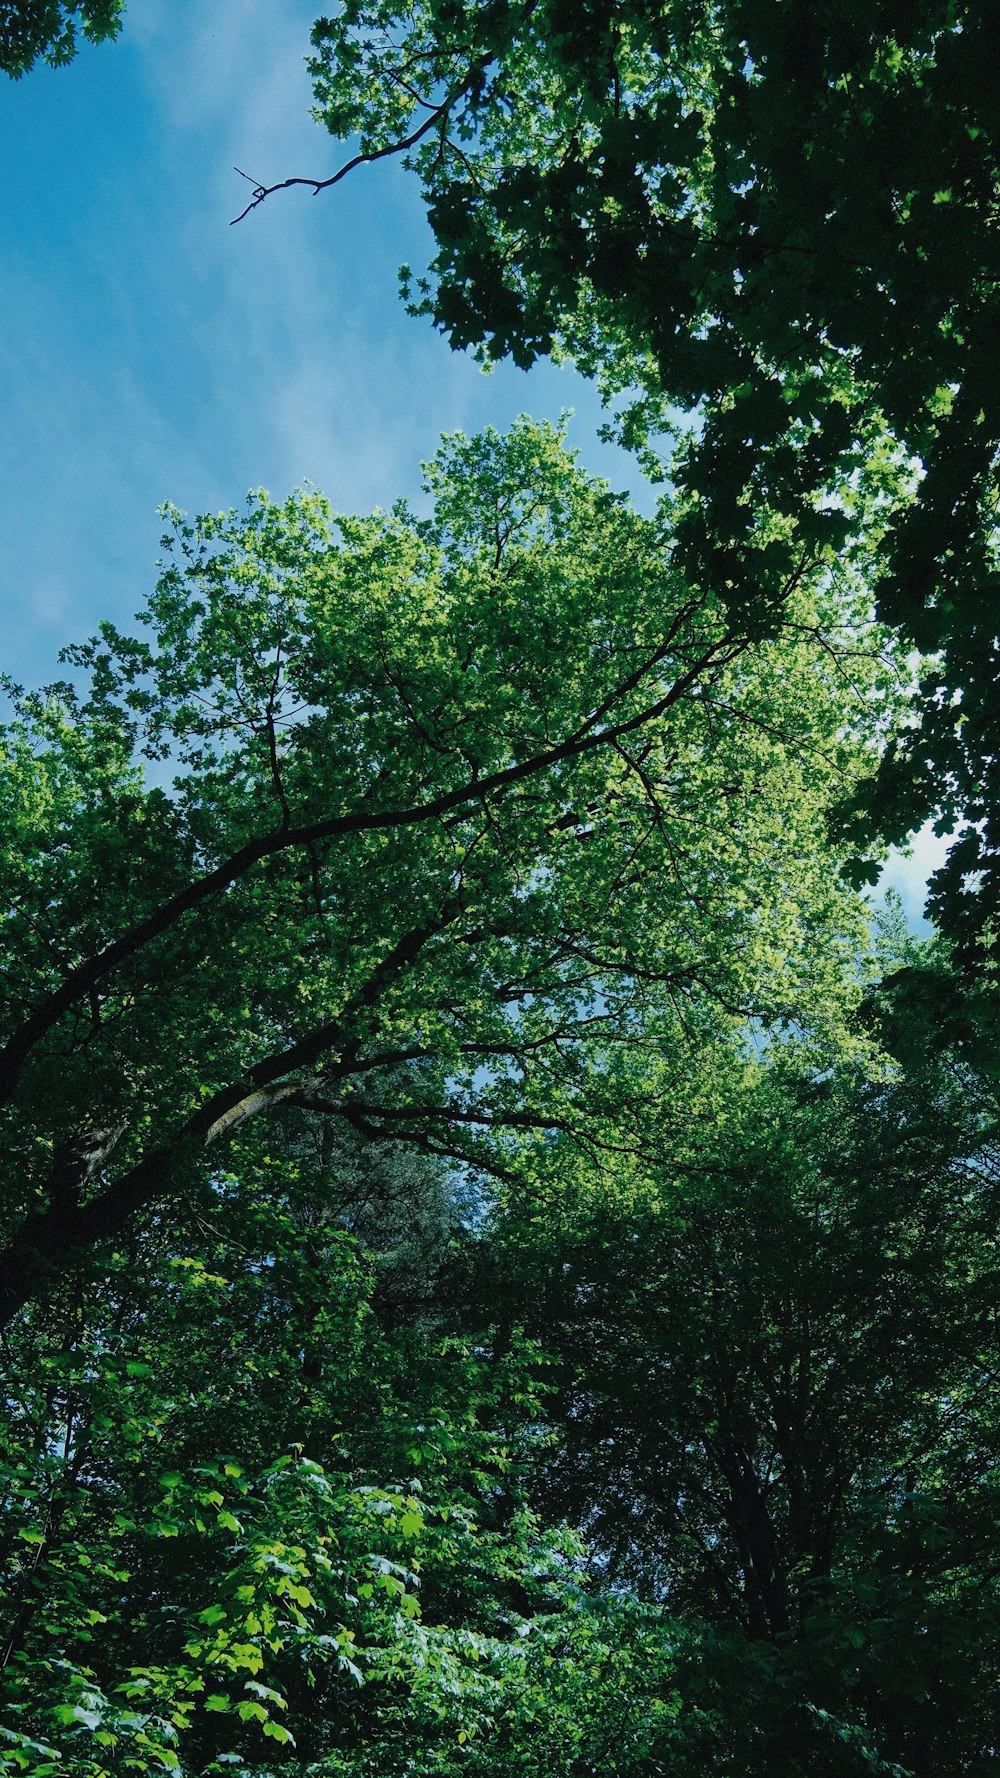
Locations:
(30, 29)
(459, 814)
(777, 1410)
(777, 220)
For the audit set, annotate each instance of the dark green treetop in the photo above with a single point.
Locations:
(774, 1401)
(47, 29)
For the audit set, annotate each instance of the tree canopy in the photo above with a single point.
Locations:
(774, 228)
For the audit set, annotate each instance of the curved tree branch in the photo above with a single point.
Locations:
(585, 739)
(436, 116)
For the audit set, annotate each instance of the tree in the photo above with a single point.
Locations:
(465, 827)
(776, 1409)
(779, 221)
(30, 29)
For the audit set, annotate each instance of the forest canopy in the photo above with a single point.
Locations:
(499, 1264)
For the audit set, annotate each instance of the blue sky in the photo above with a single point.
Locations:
(148, 351)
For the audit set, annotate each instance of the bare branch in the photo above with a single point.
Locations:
(366, 156)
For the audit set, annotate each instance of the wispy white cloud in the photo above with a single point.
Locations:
(908, 872)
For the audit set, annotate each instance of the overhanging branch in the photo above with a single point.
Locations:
(585, 739)
(366, 156)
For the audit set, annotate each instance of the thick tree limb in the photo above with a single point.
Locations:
(71, 1223)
